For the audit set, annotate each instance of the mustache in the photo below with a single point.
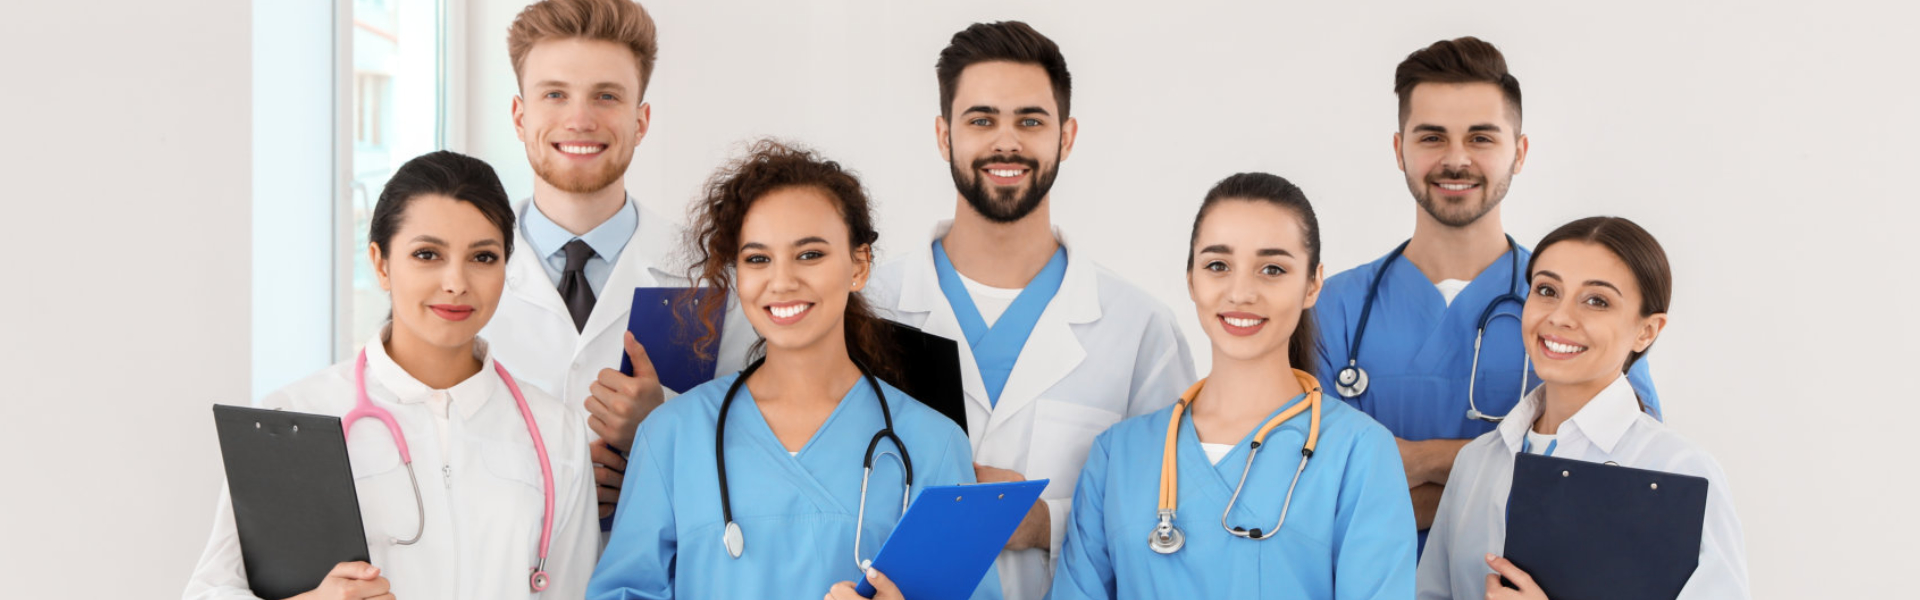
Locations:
(982, 162)
(1456, 175)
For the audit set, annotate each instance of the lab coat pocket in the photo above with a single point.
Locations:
(380, 482)
(1063, 432)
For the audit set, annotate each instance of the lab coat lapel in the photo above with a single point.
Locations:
(527, 280)
(635, 268)
(920, 294)
(1053, 351)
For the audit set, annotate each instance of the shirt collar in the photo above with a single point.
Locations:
(466, 397)
(1603, 421)
(608, 239)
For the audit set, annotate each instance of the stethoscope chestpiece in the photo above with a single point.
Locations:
(1351, 382)
(735, 541)
(1166, 538)
(538, 579)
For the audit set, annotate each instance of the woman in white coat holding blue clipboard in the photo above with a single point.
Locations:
(1600, 292)
(753, 485)
(496, 501)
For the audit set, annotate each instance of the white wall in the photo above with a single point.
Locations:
(1763, 143)
(124, 312)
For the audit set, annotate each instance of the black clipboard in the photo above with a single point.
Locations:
(1591, 530)
(293, 498)
(930, 371)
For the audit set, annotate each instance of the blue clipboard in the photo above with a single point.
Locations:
(666, 321)
(949, 537)
(1638, 530)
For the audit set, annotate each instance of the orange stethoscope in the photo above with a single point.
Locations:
(1167, 538)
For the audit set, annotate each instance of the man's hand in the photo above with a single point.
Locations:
(609, 469)
(1036, 530)
(618, 403)
(1428, 461)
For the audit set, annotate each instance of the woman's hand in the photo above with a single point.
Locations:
(1504, 568)
(350, 581)
(883, 589)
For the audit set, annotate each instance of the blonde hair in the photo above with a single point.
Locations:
(622, 22)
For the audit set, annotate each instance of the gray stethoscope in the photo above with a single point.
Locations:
(735, 541)
(1167, 538)
(1351, 381)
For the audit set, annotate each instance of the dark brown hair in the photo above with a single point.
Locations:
(1459, 60)
(622, 22)
(1634, 246)
(442, 173)
(714, 240)
(1010, 41)
(1304, 346)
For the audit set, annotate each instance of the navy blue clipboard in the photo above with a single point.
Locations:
(1590, 530)
(666, 322)
(949, 537)
(294, 503)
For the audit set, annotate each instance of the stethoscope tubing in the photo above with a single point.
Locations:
(733, 538)
(364, 407)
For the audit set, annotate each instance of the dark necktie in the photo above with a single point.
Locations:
(574, 288)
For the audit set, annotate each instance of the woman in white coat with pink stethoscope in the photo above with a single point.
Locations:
(470, 485)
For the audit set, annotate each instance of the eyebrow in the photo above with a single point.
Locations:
(1225, 249)
(1438, 129)
(604, 85)
(440, 242)
(1589, 282)
(981, 109)
(1033, 110)
(812, 239)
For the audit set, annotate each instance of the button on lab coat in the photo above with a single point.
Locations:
(1471, 522)
(1102, 351)
(482, 493)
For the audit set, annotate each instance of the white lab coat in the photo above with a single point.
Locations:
(479, 479)
(1102, 351)
(1471, 521)
(534, 333)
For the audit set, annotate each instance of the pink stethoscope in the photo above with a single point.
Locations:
(363, 407)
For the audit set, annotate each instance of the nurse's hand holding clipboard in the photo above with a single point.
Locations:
(350, 581)
(883, 589)
(1528, 590)
(615, 408)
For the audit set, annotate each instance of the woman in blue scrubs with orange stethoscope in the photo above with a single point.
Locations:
(1255, 484)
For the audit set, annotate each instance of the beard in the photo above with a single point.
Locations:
(1003, 205)
(585, 180)
(1465, 211)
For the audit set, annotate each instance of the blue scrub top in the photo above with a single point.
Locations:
(1418, 350)
(1348, 535)
(797, 513)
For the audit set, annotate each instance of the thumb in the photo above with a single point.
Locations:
(637, 354)
(882, 587)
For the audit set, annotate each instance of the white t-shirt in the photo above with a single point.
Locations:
(1449, 288)
(991, 301)
(1215, 452)
(1538, 443)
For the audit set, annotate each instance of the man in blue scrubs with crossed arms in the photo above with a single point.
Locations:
(1411, 367)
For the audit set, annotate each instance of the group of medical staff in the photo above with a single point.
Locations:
(1354, 438)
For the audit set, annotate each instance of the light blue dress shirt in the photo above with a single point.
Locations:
(547, 238)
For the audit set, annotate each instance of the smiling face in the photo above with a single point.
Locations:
(579, 112)
(1006, 140)
(1249, 280)
(796, 268)
(1460, 148)
(1583, 318)
(445, 271)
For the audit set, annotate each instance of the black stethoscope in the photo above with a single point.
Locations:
(734, 540)
(1351, 381)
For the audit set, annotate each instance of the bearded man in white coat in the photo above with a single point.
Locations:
(1058, 347)
(583, 68)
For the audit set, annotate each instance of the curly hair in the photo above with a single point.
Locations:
(714, 239)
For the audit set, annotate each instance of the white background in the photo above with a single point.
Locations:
(1768, 145)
